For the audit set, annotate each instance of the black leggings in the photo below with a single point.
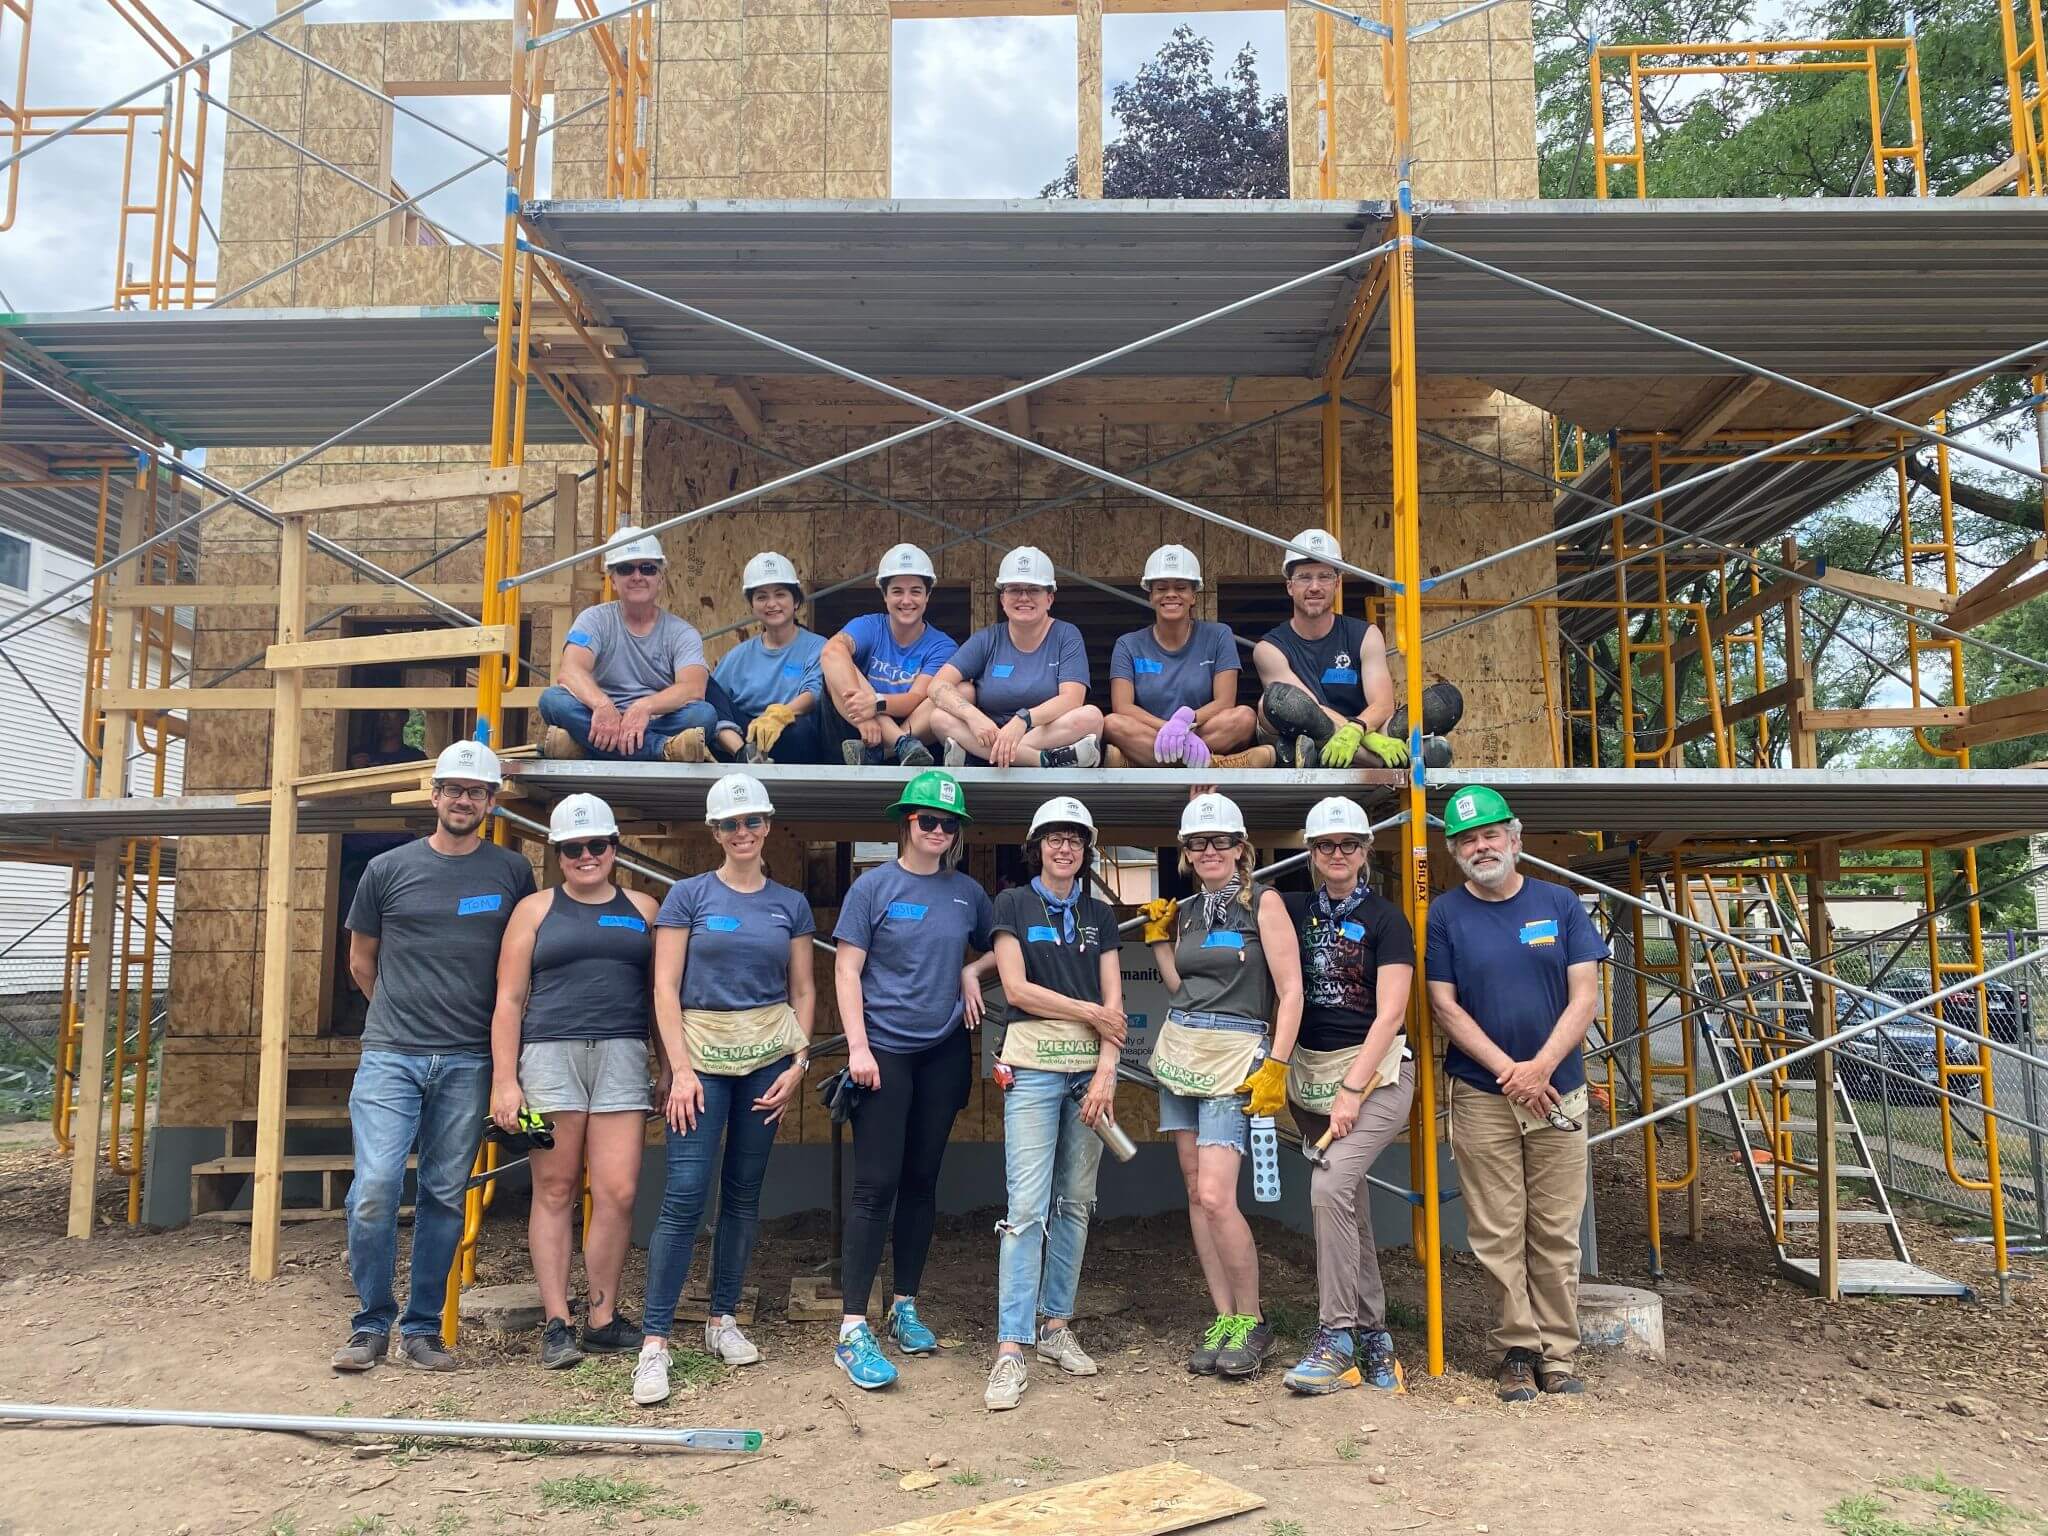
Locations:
(899, 1140)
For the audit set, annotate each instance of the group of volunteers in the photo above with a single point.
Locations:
(493, 1000)
(890, 688)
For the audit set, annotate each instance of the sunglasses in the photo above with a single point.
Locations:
(1221, 844)
(638, 568)
(927, 822)
(476, 792)
(1343, 845)
(733, 824)
(596, 848)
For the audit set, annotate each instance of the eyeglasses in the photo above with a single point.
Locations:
(596, 848)
(476, 792)
(927, 822)
(1025, 592)
(1069, 840)
(638, 568)
(1344, 845)
(733, 824)
(1222, 843)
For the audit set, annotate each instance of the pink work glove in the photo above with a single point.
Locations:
(1176, 737)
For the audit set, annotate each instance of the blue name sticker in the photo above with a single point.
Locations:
(473, 904)
(1146, 666)
(613, 920)
(1541, 931)
(1038, 933)
(1340, 674)
(580, 637)
(1355, 932)
(719, 923)
(1223, 938)
(908, 911)
(1001, 669)
(791, 669)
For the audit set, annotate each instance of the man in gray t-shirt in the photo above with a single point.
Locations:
(631, 679)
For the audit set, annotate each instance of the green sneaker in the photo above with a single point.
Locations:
(1203, 1360)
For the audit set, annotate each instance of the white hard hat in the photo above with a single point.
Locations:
(1310, 544)
(1328, 818)
(581, 816)
(1172, 562)
(737, 793)
(768, 569)
(469, 760)
(905, 560)
(1061, 811)
(1027, 566)
(629, 544)
(1211, 813)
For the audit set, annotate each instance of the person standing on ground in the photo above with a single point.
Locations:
(1228, 959)
(735, 999)
(424, 930)
(879, 669)
(1173, 687)
(906, 1003)
(1057, 951)
(1016, 694)
(1514, 974)
(631, 679)
(1351, 1080)
(766, 689)
(1326, 691)
(569, 1041)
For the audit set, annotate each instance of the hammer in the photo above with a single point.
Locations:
(1318, 1151)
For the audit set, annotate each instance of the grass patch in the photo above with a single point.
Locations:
(783, 1504)
(1290, 1319)
(683, 1511)
(361, 1525)
(589, 1490)
(1045, 1466)
(1286, 1528)
(1347, 1450)
(967, 1477)
(447, 1406)
(449, 1522)
(283, 1525)
(1401, 1314)
(1973, 1506)
(1962, 1511)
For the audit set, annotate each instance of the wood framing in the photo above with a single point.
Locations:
(2002, 590)
(228, 700)
(1878, 719)
(352, 594)
(403, 491)
(1777, 697)
(1088, 97)
(407, 645)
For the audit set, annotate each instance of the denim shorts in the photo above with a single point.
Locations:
(1221, 1122)
(585, 1077)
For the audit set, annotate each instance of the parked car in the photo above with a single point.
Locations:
(1907, 1047)
(2008, 1005)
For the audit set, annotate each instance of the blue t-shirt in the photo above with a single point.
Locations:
(893, 668)
(1508, 959)
(916, 930)
(1165, 680)
(754, 676)
(739, 940)
(1006, 679)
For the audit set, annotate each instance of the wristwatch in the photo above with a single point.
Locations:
(1025, 716)
(881, 706)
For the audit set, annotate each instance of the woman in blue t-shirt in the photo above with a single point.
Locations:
(734, 999)
(904, 996)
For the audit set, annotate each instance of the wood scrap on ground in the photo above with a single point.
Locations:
(1144, 1501)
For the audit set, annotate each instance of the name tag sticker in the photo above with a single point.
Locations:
(1146, 666)
(1038, 933)
(908, 911)
(615, 921)
(469, 905)
(718, 922)
(1355, 932)
(1223, 938)
(1001, 669)
(791, 669)
(1541, 931)
(1340, 674)
(580, 637)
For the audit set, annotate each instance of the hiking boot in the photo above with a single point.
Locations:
(722, 1337)
(1113, 757)
(954, 754)
(1325, 1366)
(362, 1351)
(1295, 712)
(620, 1336)
(909, 1331)
(1244, 1353)
(1437, 753)
(1517, 1377)
(855, 754)
(1061, 1348)
(1558, 1380)
(1250, 757)
(558, 1349)
(1085, 753)
(650, 1377)
(1295, 752)
(1006, 1383)
(1203, 1359)
(912, 753)
(753, 755)
(558, 743)
(861, 1358)
(425, 1352)
(1376, 1362)
(686, 747)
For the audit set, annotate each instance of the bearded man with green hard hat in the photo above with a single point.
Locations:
(1514, 968)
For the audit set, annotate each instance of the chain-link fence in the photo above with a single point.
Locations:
(31, 1010)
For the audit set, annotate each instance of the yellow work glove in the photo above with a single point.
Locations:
(1338, 751)
(1159, 919)
(1267, 1086)
(768, 727)
(1390, 750)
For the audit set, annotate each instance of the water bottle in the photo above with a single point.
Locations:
(1114, 1136)
(1265, 1160)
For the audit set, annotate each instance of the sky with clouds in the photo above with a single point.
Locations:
(983, 108)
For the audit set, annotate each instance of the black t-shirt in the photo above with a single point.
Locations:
(1050, 961)
(1329, 667)
(1340, 967)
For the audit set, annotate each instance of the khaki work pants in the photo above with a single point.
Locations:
(1349, 1291)
(1524, 1196)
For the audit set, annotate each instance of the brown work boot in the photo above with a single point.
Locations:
(686, 747)
(1112, 758)
(1558, 1380)
(1251, 757)
(1517, 1377)
(558, 743)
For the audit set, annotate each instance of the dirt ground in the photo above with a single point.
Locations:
(1773, 1412)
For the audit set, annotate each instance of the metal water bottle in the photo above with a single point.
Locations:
(1265, 1160)
(1114, 1136)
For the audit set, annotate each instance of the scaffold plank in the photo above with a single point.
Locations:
(465, 484)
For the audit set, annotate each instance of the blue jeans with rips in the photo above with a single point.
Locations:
(397, 1100)
(1050, 1158)
(693, 1158)
(558, 706)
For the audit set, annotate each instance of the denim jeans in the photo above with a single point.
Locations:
(803, 741)
(1050, 1158)
(558, 706)
(693, 1156)
(438, 1101)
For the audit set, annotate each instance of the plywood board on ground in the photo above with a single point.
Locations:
(1145, 1501)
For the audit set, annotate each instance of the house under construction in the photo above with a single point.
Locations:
(717, 323)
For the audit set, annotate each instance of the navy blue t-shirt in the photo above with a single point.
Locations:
(1329, 668)
(916, 930)
(1508, 961)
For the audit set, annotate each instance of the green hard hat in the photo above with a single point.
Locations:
(934, 790)
(1474, 806)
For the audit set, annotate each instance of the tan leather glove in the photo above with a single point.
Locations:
(1159, 919)
(768, 727)
(1267, 1087)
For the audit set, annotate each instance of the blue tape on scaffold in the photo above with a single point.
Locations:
(512, 200)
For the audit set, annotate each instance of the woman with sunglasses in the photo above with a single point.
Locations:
(1057, 953)
(1228, 958)
(734, 1000)
(1350, 1080)
(904, 996)
(569, 1041)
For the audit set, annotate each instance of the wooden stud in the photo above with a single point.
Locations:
(561, 609)
(1742, 709)
(1088, 93)
(1856, 584)
(462, 594)
(745, 406)
(408, 645)
(406, 490)
(219, 700)
(1803, 753)
(1720, 407)
(1878, 719)
(1997, 179)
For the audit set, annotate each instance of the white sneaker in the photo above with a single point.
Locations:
(1087, 752)
(1006, 1383)
(650, 1378)
(1062, 1349)
(722, 1337)
(955, 755)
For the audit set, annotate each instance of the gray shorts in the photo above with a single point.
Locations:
(589, 1077)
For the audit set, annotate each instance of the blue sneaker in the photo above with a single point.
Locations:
(1377, 1364)
(1326, 1365)
(909, 1331)
(861, 1358)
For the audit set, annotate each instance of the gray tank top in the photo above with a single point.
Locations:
(591, 972)
(1222, 969)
